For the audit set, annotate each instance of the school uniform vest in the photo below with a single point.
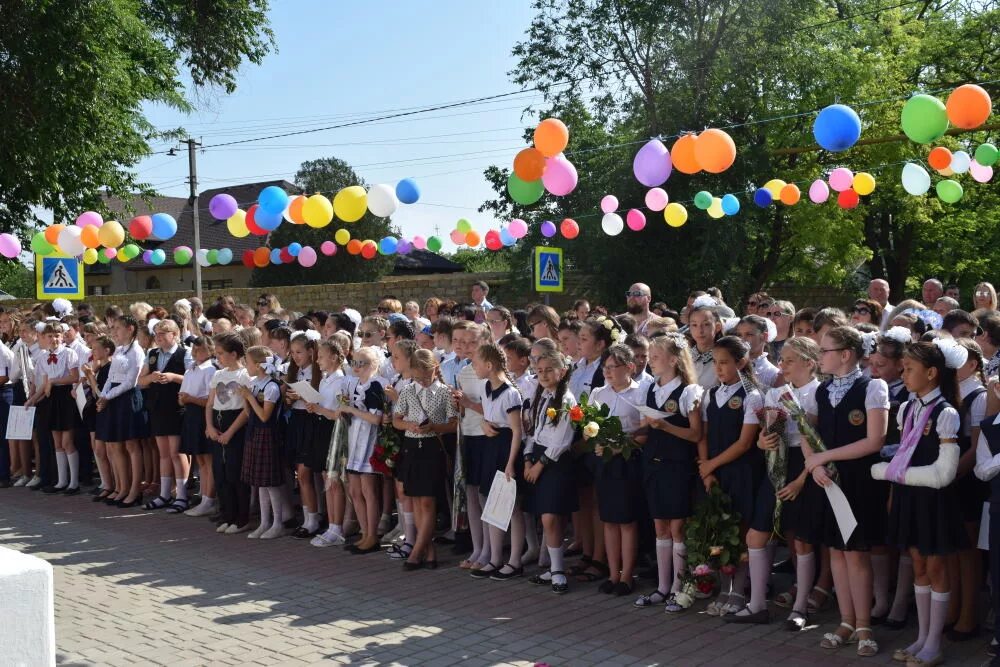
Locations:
(991, 432)
(726, 422)
(896, 399)
(928, 447)
(848, 421)
(667, 446)
(165, 394)
(964, 412)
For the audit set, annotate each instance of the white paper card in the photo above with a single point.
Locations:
(652, 413)
(842, 511)
(19, 422)
(500, 503)
(984, 528)
(305, 392)
(81, 399)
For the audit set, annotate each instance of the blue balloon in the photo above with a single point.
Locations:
(506, 237)
(294, 248)
(388, 245)
(273, 200)
(407, 191)
(267, 221)
(276, 256)
(837, 127)
(762, 197)
(164, 226)
(158, 257)
(225, 255)
(730, 205)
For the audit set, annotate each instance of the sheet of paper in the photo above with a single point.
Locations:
(984, 528)
(19, 422)
(305, 391)
(652, 413)
(81, 399)
(500, 503)
(842, 511)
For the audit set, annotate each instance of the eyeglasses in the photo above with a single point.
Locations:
(635, 294)
(359, 363)
(983, 293)
(832, 349)
(753, 304)
(368, 334)
(861, 310)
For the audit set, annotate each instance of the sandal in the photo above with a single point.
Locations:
(177, 505)
(157, 503)
(785, 600)
(672, 606)
(559, 589)
(831, 640)
(397, 552)
(866, 647)
(735, 604)
(541, 579)
(466, 564)
(814, 606)
(589, 577)
(795, 622)
(651, 600)
(714, 607)
(585, 562)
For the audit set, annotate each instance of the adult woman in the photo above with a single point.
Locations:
(267, 303)
(432, 309)
(781, 313)
(543, 322)
(866, 311)
(985, 296)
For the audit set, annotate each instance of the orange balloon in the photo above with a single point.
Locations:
(715, 151)
(295, 210)
(968, 106)
(52, 233)
(939, 157)
(262, 256)
(529, 164)
(790, 194)
(551, 138)
(683, 155)
(472, 239)
(354, 247)
(89, 237)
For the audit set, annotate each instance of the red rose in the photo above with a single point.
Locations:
(705, 587)
(576, 413)
(728, 570)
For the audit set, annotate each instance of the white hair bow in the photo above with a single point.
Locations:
(898, 334)
(869, 341)
(729, 323)
(772, 331)
(679, 341)
(62, 306)
(955, 355)
(310, 334)
(151, 325)
(704, 301)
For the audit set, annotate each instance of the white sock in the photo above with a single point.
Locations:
(904, 585)
(530, 531)
(880, 581)
(409, 528)
(182, 489)
(760, 572)
(311, 521)
(165, 484)
(264, 499)
(556, 558)
(938, 616)
(336, 529)
(805, 572)
(664, 564)
(74, 469)
(680, 565)
(276, 499)
(62, 466)
(922, 595)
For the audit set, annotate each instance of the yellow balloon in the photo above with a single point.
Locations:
(715, 210)
(237, 224)
(342, 237)
(111, 234)
(317, 211)
(864, 183)
(675, 214)
(945, 172)
(351, 203)
(774, 187)
(122, 257)
(89, 256)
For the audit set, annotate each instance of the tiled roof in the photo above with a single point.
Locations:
(424, 261)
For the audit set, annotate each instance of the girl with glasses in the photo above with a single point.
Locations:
(781, 313)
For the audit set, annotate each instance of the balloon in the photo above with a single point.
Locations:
(837, 128)
(463, 226)
(560, 176)
(968, 106)
(147, 256)
(960, 162)
(847, 199)
(237, 224)
(69, 240)
(266, 220)
(949, 191)
(841, 179)
(89, 256)
(980, 174)
(369, 250)
(404, 247)
(715, 209)
(89, 219)
(635, 219)
(652, 164)
(612, 224)
(656, 199)
(382, 200)
(472, 239)
(222, 206)
(164, 226)
(351, 203)
(294, 248)
(102, 256)
(247, 259)
(225, 256)
(774, 187)
(790, 194)
(458, 236)
(278, 256)
(947, 171)
(251, 221)
(307, 256)
(202, 257)
(703, 200)
(524, 192)
(492, 241)
(407, 191)
(548, 229)
(939, 157)
(987, 155)
(10, 246)
(675, 214)
(819, 191)
(273, 200)
(518, 228)
(762, 197)
(294, 212)
(52, 233)
(140, 227)
(342, 236)
(924, 119)
(551, 137)
(213, 256)
(132, 251)
(863, 183)
(182, 255)
(317, 211)
(90, 236)
(354, 247)
(529, 164)
(609, 204)
(433, 244)
(419, 242)
(261, 257)
(159, 256)
(730, 204)
(506, 237)
(569, 228)
(111, 234)
(682, 155)
(388, 245)
(715, 151)
(328, 248)
(120, 255)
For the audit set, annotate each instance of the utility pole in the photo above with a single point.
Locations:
(193, 202)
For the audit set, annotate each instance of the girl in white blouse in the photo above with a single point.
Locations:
(330, 357)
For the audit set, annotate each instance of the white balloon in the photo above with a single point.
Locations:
(382, 200)
(612, 224)
(69, 240)
(916, 180)
(202, 258)
(980, 174)
(960, 162)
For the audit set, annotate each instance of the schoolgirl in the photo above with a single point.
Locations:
(9, 454)
(423, 411)
(263, 467)
(924, 503)
(193, 397)
(668, 460)
(331, 358)
(58, 373)
(279, 340)
(757, 332)
(402, 351)
(548, 465)
(618, 481)
(726, 455)
(518, 352)
(852, 424)
(569, 338)
(95, 373)
(309, 454)
(225, 420)
(704, 328)
(441, 329)
(22, 376)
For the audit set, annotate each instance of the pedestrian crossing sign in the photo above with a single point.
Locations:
(548, 269)
(58, 276)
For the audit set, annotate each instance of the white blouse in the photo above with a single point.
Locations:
(331, 388)
(123, 375)
(556, 438)
(753, 402)
(65, 361)
(765, 371)
(471, 386)
(197, 380)
(499, 402)
(804, 397)
(582, 380)
(622, 404)
(690, 397)
(977, 411)
(947, 421)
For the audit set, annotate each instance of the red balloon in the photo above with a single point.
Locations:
(141, 227)
(286, 257)
(248, 259)
(251, 221)
(848, 198)
(369, 250)
(569, 228)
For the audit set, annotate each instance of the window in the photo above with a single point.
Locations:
(95, 290)
(152, 283)
(217, 284)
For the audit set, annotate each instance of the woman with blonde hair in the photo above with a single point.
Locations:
(984, 296)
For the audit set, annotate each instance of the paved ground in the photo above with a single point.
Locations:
(134, 588)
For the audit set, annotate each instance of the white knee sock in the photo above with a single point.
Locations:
(680, 565)
(880, 581)
(182, 489)
(760, 573)
(664, 564)
(805, 573)
(62, 467)
(904, 586)
(264, 499)
(409, 528)
(73, 459)
(276, 498)
(165, 484)
(922, 595)
(938, 616)
(556, 565)
(474, 512)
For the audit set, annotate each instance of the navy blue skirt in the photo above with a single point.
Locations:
(741, 482)
(619, 489)
(669, 486)
(496, 452)
(555, 491)
(63, 413)
(473, 459)
(122, 422)
(300, 440)
(194, 442)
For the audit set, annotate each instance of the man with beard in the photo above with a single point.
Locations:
(637, 301)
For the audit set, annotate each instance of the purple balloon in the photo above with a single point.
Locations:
(652, 165)
(404, 247)
(222, 206)
(548, 229)
(147, 256)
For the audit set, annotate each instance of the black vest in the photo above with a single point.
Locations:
(892, 434)
(665, 446)
(965, 441)
(725, 423)
(991, 432)
(929, 445)
(846, 423)
(157, 394)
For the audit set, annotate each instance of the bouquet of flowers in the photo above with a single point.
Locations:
(602, 432)
(387, 446)
(713, 543)
(773, 421)
(809, 434)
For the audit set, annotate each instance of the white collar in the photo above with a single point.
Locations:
(929, 397)
(669, 387)
(169, 352)
(968, 385)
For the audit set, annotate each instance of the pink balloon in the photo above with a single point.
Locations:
(979, 173)
(89, 218)
(635, 219)
(327, 248)
(609, 204)
(518, 228)
(818, 191)
(458, 237)
(841, 179)
(307, 256)
(560, 177)
(10, 246)
(419, 242)
(110, 253)
(657, 199)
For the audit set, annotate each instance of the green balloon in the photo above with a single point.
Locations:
(182, 257)
(433, 244)
(703, 200)
(132, 251)
(40, 246)
(102, 258)
(924, 119)
(213, 256)
(464, 226)
(949, 191)
(524, 192)
(987, 155)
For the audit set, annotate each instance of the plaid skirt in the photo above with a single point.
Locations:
(262, 459)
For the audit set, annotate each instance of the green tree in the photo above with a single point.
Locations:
(327, 176)
(17, 280)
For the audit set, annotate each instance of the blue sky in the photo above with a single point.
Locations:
(337, 62)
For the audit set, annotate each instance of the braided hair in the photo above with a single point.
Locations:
(492, 353)
(557, 359)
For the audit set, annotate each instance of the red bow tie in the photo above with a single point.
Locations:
(53, 358)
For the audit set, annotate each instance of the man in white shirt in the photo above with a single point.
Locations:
(878, 291)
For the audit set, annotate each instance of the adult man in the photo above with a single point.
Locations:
(932, 291)
(944, 305)
(878, 291)
(953, 292)
(479, 291)
(637, 300)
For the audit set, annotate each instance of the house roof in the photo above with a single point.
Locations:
(425, 261)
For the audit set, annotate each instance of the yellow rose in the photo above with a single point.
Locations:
(609, 325)
(551, 413)
(715, 551)
(591, 429)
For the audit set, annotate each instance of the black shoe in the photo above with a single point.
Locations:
(607, 587)
(623, 588)
(100, 498)
(110, 501)
(483, 573)
(761, 617)
(53, 489)
(430, 565)
(893, 624)
(4, 483)
(72, 491)
(410, 567)
(126, 505)
(302, 533)
(960, 636)
(500, 575)
(795, 622)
